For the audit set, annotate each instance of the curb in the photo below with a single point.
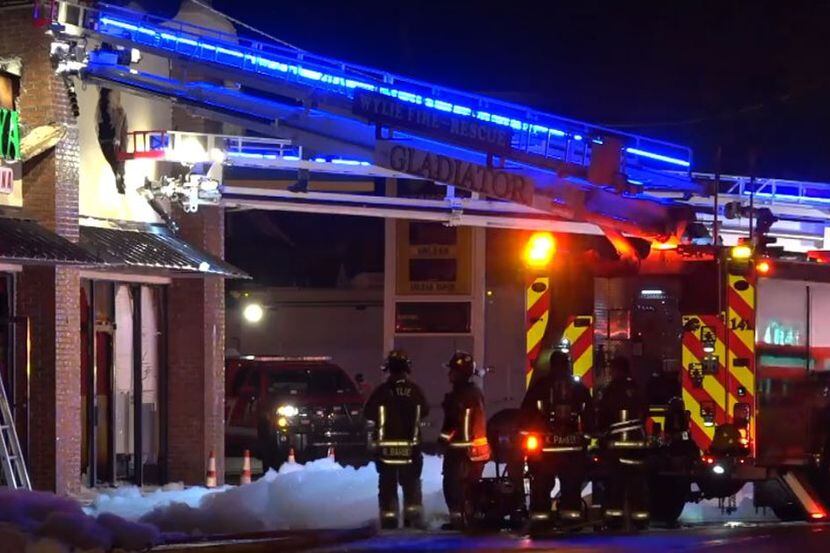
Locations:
(261, 542)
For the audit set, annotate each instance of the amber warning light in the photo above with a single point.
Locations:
(540, 249)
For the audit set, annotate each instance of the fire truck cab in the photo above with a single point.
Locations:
(742, 341)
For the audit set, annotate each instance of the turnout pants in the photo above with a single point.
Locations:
(408, 476)
(627, 484)
(570, 469)
(460, 473)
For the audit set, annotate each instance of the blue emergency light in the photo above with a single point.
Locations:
(264, 61)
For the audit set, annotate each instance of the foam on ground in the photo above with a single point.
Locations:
(320, 494)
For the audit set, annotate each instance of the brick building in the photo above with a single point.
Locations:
(111, 325)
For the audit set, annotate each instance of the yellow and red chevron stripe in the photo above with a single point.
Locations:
(733, 383)
(710, 392)
(581, 339)
(537, 315)
(740, 336)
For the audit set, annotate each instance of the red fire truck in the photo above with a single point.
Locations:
(741, 339)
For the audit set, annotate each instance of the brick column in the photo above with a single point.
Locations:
(196, 345)
(49, 296)
(196, 357)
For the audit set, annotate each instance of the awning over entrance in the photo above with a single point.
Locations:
(25, 242)
(152, 249)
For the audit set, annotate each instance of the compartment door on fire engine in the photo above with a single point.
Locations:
(793, 343)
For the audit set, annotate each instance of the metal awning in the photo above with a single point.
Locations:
(23, 241)
(152, 249)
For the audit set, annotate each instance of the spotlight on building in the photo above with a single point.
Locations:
(253, 313)
(217, 155)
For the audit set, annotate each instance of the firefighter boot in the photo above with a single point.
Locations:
(639, 519)
(456, 522)
(568, 518)
(413, 517)
(389, 520)
(540, 524)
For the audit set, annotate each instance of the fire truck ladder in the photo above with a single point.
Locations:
(315, 101)
(330, 86)
(15, 474)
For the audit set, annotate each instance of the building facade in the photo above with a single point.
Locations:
(111, 324)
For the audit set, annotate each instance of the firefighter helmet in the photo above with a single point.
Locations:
(397, 361)
(461, 363)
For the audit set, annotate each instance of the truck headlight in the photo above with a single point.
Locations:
(287, 411)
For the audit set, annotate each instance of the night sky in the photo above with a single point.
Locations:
(746, 76)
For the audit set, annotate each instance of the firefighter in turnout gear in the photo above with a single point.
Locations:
(556, 414)
(621, 414)
(396, 408)
(464, 433)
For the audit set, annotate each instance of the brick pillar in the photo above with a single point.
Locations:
(196, 345)
(49, 296)
(196, 357)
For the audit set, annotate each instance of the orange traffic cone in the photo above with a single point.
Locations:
(210, 479)
(246, 468)
(331, 453)
(291, 458)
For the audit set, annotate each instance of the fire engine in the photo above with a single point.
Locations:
(736, 335)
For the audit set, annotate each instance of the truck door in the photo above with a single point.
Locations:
(792, 364)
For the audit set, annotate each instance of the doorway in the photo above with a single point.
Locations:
(123, 361)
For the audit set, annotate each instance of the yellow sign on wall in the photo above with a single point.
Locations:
(433, 259)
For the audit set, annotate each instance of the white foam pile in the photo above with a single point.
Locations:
(42, 522)
(710, 511)
(319, 494)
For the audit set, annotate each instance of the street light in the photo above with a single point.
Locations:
(253, 313)
(539, 250)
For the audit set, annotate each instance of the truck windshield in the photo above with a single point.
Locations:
(312, 381)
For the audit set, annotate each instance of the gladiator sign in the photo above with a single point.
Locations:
(459, 129)
(489, 181)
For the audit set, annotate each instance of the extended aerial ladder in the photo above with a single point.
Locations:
(351, 114)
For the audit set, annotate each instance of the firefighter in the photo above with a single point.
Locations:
(663, 385)
(557, 412)
(396, 408)
(621, 412)
(464, 433)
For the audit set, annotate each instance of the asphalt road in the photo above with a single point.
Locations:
(754, 538)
